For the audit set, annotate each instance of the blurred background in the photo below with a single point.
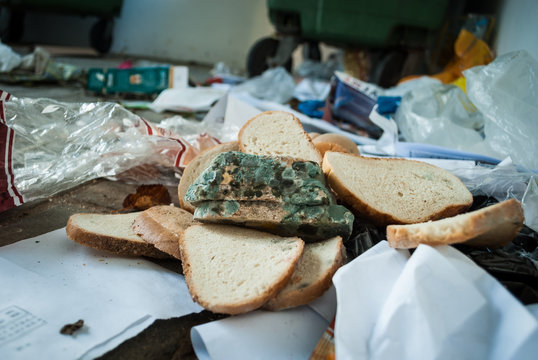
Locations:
(207, 32)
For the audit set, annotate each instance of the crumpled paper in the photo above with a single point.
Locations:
(435, 304)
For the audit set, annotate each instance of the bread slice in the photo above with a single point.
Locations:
(110, 232)
(245, 177)
(492, 226)
(197, 166)
(277, 133)
(313, 274)
(323, 147)
(162, 226)
(395, 191)
(233, 270)
(336, 142)
(310, 223)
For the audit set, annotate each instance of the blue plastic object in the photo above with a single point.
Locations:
(388, 104)
(311, 108)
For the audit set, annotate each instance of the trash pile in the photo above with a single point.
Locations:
(477, 118)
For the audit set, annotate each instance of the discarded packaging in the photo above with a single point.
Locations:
(37, 66)
(274, 84)
(47, 146)
(506, 93)
(354, 100)
(496, 119)
(137, 80)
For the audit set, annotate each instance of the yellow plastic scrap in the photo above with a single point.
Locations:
(460, 82)
(469, 51)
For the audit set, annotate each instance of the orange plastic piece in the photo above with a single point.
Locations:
(469, 51)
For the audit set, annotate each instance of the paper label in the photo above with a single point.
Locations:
(16, 322)
(179, 77)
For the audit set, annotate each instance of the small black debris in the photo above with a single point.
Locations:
(70, 329)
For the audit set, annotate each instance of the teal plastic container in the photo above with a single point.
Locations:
(141, 80)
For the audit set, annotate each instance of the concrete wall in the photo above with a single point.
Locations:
(203, 31)
(192, 30)
(518, 27)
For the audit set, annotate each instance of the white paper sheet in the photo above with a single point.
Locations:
(61, 282)
(436, 305)
(287, 334)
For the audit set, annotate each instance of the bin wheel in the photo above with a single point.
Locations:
(259, 53)
(101, 35)
(388, 70)
(312, 51)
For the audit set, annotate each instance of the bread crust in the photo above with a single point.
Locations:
(112, 244)
(239, 307)
(323, 147)
(377, 217)
(193, 167)
(297, 121)
(302, 296)
(338, 139)
(493, 226)
(150, 226)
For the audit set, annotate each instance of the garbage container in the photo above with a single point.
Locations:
(378, 24)
(100, 35)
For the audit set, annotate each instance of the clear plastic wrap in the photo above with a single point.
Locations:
(498, 117)
(442, 115)
(503, 182)
(506, 92)
(47, 146)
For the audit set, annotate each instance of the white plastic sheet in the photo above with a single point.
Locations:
(506, 93)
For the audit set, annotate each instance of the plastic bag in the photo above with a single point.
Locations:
(320, 70)
(506, 92)
(442, 115)
(47, 146)
(9, 60)
(275, 84)
(502, 182)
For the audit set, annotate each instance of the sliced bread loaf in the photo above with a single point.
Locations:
(234, 270)
(492, 226)
(277, 133)
(335, 142)
(197, 166)
(395, 191)
(313, 274)
(323, 147)
(162, 226)
(110, 232)
(310, 223)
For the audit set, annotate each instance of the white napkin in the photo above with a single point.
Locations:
(60, 282)
(286, 334)
(436, 305)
